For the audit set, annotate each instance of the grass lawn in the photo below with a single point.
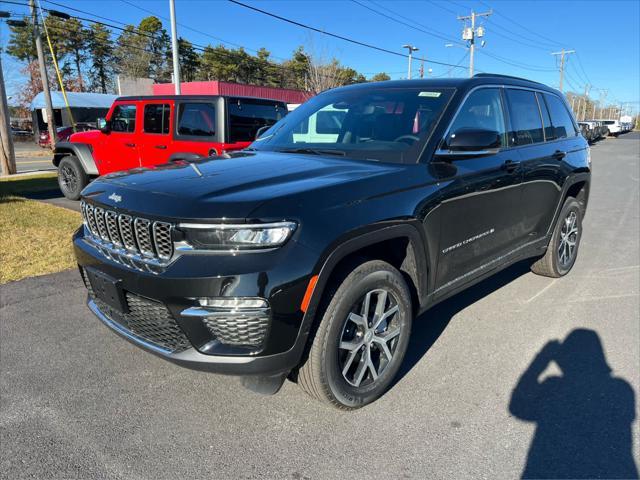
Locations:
(35, 237)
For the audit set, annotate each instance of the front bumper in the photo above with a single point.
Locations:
(279, 276)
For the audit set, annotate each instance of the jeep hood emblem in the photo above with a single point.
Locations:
(116, 198)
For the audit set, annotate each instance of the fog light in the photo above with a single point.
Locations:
(233, 303)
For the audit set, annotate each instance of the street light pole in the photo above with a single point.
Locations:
(174, 47)
(51, 122)
(411, 49)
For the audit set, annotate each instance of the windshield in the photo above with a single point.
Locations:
(377, 124)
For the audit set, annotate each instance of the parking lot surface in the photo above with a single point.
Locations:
(79, 402)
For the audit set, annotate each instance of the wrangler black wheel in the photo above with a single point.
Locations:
(71, 177)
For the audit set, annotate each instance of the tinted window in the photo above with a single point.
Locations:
(156, 118)
(525, 117)
(482, 110)
(546, 119)
(329, 121)
(197, 119)
(123, 119)
(246, 116)
(379, 124)
(560, 118)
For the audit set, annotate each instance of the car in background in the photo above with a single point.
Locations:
(587, 131)
(613, 127)
(147, 131)
(63, 133)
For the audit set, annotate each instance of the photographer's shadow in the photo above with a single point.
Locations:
(583, 416)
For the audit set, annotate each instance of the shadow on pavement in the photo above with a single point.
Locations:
(428, 327)
(583, 417)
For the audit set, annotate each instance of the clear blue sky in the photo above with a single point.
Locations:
(524, 33)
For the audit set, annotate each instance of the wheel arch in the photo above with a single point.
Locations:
(82, 151)
(401, 245)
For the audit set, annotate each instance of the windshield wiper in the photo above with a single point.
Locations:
(313, 151)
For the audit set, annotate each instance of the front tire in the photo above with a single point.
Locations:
(71, 177)
(562, 251)
(361, 339)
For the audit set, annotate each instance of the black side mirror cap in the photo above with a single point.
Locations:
(473, 140)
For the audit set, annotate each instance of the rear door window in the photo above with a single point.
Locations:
(156, 118)
(526, 122)
(549, 133)
(560, 118)
(247, 116)
(123, 119)
(197, 119)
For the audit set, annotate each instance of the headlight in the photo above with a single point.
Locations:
(236, 237)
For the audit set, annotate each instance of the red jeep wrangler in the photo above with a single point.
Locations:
(147, 131)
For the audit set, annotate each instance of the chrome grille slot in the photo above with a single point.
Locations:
(111, 219)
(125, 223)
(162, 239)
(136, 242)
(102, 224)
(142, 228)
(91, 219)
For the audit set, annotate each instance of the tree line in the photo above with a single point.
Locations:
(90, 57)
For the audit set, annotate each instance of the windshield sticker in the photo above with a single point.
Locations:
(430, 94)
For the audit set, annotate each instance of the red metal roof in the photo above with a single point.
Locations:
(216, 87)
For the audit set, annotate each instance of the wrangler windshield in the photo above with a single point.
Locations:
(377, 124)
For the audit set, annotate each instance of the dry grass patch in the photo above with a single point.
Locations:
(35, 237)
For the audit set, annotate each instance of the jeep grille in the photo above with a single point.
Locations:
(138, 236)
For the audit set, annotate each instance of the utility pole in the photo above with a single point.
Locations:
(470, 34)
(7, 153)
(603, 96)
(8, 156)
(587, 87)
(411, 49)
(51, 122)
(174, 47)
(562, 54)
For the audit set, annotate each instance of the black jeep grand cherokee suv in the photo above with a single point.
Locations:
(309, 254)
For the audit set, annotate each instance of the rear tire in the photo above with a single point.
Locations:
(562, 251)
(71, 177)
(362, 337)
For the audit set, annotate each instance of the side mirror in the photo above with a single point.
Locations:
(473, 140)
(103, 125)
(261, 130)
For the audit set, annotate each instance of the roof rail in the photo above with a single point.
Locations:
(504, 76)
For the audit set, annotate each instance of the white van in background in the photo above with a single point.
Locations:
(613, 126)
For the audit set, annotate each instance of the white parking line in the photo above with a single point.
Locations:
(541, 291)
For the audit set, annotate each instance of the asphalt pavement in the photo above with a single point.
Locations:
(30, 157)
(79, 402)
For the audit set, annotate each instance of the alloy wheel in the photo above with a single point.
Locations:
(369, 338)
(568, 239)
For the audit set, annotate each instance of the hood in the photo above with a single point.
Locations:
(90, 136)
(220, 188)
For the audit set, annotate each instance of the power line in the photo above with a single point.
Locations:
(428, 32)
(548, 40)
(533, 68)
(334, 35)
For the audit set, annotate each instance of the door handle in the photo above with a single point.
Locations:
(161, 147)
(559, 155)
(129, 144)
(510, 165)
